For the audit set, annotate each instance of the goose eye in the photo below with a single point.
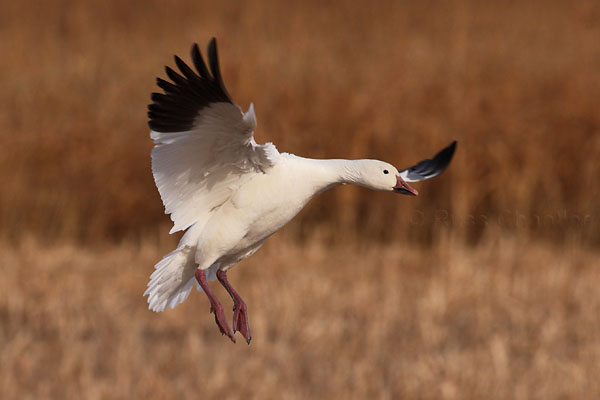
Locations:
(385, 171)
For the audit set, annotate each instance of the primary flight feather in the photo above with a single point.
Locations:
(228, 193)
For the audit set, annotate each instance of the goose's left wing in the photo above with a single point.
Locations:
(204, 145)
(428, 169)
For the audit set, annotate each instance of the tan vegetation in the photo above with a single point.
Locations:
(485, 286)
(506, 320)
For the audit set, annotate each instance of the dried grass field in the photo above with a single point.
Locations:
(507, 320)
(483, 287)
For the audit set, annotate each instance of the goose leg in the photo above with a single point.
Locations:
(240, 310)
(215, 306)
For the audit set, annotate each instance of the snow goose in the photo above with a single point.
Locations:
(228, 193)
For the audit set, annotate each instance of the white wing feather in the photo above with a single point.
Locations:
(196, 171)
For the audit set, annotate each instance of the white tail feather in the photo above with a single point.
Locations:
(173, 278)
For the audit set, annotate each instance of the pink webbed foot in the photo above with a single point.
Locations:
(240, 320)
(215, 306)
(240, 310)
(222, 322)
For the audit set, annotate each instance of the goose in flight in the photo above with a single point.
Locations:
(228, 193)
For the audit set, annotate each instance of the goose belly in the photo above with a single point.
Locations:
(267, 213)
(235, 232)
(266, 219)
(257, 209)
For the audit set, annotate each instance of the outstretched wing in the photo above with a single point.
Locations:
(427, 169)
(204, 145)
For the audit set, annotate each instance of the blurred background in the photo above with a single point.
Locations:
(484, 286)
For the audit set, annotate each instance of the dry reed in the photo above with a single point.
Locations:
(517, 85)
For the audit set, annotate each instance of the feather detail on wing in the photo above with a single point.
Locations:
(204, 145)
(428, 169)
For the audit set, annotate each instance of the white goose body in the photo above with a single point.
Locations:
(268, 201)
(230, 194)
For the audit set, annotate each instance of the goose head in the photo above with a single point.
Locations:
(379, 175)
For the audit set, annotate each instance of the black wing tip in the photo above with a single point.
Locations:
(215, 69)
(212, 45)
(212, 52)
(176, 108)
(213, 59)
(179, 62)
(445, 155)
(430, 168)
(195, 51)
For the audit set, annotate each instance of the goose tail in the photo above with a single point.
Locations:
(173, 277)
